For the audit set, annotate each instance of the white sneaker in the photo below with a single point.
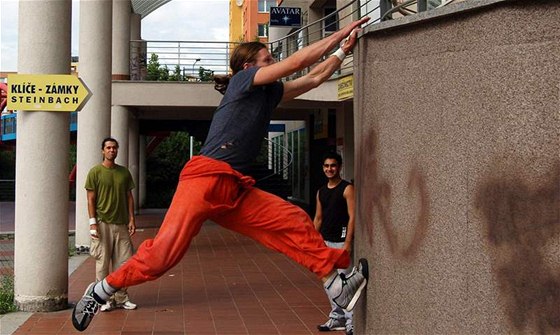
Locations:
(85, 309)
(332, 324)
(129, 305)
(108, 306)
(344, 290)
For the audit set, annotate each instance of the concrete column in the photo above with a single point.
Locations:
(94, 120)
(136, 146)
(141, 171)
(41, 211)
(121, 39)
(119, 130)
(133, 157)
(135, 26)
(121, 71)
(137, 49)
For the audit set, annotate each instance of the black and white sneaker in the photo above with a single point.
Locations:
(85, 309)
(345, 290)
(332, 324)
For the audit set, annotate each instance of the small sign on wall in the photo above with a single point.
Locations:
(346, 87)
(285, 17)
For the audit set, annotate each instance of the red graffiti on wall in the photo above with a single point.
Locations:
(374, 196)
(522, 225)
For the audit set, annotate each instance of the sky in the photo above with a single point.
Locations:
(178, 20)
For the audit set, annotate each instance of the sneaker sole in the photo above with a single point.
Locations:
(364, 269)
(75, 323)
(330, 329)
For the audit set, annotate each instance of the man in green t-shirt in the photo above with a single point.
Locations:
(111, 218)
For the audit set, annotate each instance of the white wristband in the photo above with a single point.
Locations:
(340, 54)
(92, 221)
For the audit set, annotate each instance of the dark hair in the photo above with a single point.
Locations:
(108, 139)
(332, 155)
(243, 53)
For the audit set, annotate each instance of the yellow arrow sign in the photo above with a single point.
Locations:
(46, 92)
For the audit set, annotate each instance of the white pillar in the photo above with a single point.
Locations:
(133, 157)
(137, 49)
(119, 130)
(121, 71)
(94, 119)
(41, 212)
(122, 10)
(135, 26)
(137, 147)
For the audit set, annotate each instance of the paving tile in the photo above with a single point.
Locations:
(225, 284)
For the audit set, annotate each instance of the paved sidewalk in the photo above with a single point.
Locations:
(225, 284)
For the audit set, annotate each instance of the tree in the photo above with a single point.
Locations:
(163, 73)
(153, 71)
(163, 167)
(205, 74)
(176, 76)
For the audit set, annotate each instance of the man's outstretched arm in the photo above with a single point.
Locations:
(320, 73)
(305, 57)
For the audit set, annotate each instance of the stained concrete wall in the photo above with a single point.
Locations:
(457, 127)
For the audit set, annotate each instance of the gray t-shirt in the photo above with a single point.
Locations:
(241, 120)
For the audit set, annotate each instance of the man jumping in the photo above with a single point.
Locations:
(212, 186)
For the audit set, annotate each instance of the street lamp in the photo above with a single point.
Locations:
(195, 61)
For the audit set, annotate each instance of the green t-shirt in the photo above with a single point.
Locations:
(111, 186)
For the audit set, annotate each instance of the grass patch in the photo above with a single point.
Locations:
(7, 294)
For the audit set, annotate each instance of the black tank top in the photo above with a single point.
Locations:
(335, 212)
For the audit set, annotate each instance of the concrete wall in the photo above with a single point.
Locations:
(457, 126)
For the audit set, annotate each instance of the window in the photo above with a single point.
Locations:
(330, 23)
(262, 30)
(264, 5)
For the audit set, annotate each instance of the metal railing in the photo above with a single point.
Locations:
(186, 60)
(317, 30)
(279, 159)
(185, 57)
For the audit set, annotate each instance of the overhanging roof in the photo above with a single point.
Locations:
(145, 7)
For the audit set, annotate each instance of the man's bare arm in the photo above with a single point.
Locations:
(304, 57)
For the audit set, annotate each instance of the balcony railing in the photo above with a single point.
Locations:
(186, 59)
(189, 57)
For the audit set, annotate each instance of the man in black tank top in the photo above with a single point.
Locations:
(334, 219)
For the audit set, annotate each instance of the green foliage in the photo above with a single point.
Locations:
(163, 73)
(176, 76)
(163, 168)
(157, 72)
(7, 294)
(153, 71)
(72, 157)
(205, 74)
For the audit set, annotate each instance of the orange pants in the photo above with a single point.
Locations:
(211, 190)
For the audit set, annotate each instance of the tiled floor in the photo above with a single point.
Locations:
(225, 284)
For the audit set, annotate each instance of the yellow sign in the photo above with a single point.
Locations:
(46, 92)
(346, 88)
